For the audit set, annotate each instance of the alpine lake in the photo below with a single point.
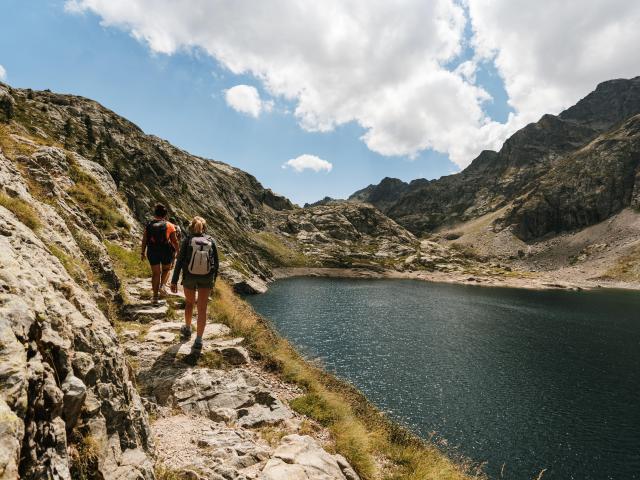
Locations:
(523, 380)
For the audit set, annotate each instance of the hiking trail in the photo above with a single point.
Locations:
(213, 414)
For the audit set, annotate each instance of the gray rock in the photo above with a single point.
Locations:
(214, 393)
(11, 433)
(75, 393)
(301, 457)
(234, 355)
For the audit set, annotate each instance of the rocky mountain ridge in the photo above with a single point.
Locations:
(559, 174)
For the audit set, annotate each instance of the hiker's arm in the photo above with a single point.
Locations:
(179, 261)
(174, 243)
(143, 247)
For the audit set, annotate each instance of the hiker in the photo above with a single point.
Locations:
(163, 286)
(198, 263)
(160, 244)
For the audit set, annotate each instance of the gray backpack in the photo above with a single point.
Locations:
(202, 256)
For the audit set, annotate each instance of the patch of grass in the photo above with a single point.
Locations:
(271, 434)
(211, 359)
(375, 447)
(318, 407)
(626, 268)
(165, 473)
(126, 262)
(271, 246)
(12, 147)
(84, 458)
(21, 209)
(77, 269)
(89, 196)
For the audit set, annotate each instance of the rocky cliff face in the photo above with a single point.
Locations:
(588, 152)
(67, 399)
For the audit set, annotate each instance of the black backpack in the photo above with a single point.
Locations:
(156, 233)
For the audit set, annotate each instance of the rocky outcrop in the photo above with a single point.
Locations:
(537, 170)
(64, 383)
(301, 457)
(346, 234)
(584, 188)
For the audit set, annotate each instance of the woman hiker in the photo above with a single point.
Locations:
(198, 263)
(160, 243)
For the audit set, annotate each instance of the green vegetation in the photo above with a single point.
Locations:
(375, 447)
(127, 263)
(272, 247)
(21, 209)
(100, 207)
(77, 269)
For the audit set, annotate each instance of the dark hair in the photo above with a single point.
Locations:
(160, 210)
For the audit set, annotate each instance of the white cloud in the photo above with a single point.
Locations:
(246, 99)
(308, 162)
(552, 53)
(384, 64)
(3, 73)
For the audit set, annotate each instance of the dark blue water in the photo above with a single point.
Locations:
(533, 380)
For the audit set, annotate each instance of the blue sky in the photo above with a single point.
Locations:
(180, 97)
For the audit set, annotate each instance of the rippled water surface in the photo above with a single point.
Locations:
(528, 379)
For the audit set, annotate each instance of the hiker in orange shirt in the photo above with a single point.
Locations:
(160, 245)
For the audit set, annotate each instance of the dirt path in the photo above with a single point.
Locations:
(217, 415)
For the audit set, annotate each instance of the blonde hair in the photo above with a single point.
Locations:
(198, 225)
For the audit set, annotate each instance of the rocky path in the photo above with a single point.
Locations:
(217, 415)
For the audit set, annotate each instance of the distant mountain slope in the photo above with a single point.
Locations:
(560, 173)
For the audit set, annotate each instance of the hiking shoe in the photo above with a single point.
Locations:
(155, 302)
(185, 332)
(197, 345)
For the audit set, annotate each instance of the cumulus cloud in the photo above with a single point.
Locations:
(3, 73)
(308, 162)
(550, 54)
(387, 65)
(246, 99)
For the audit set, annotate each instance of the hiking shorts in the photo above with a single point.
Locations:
(193, 282)
(160, 255)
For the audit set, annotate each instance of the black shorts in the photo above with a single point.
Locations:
(160, 255)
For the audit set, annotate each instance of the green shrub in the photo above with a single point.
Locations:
(21, 209)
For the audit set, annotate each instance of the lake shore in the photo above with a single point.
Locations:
(560, 280)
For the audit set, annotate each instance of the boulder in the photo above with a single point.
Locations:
(301, 457)
(75, 393)
(234, 355)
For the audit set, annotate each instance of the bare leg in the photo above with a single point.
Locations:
(189, 301)
(155, 279)
(166, 269)
(203, 300)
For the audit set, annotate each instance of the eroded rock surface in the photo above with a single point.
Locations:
(62, 371)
